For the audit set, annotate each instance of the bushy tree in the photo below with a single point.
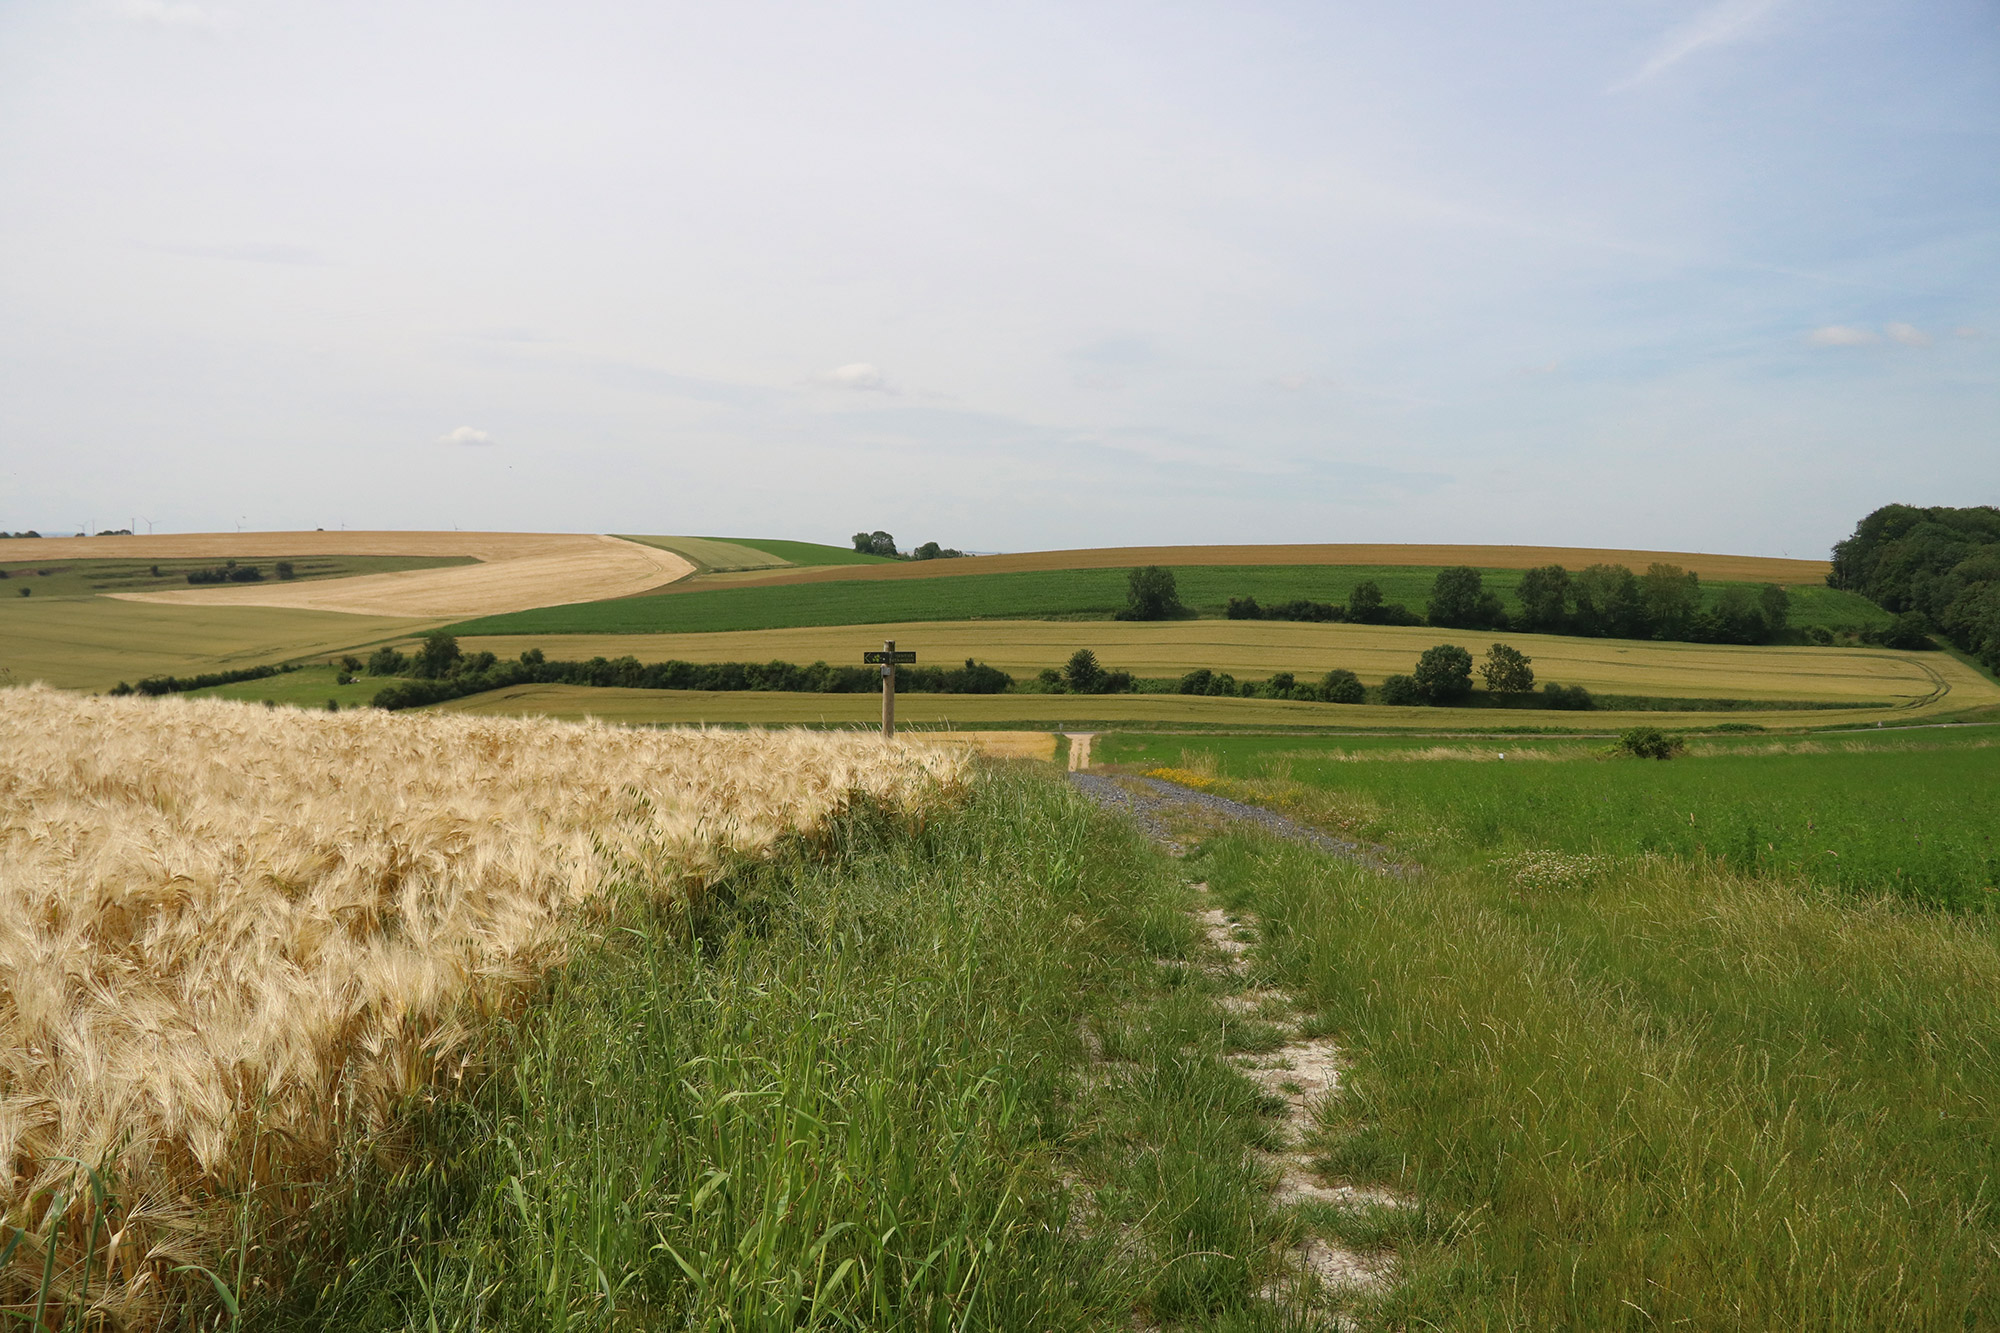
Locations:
(875, 543)
(1444, 674)
(285, 570)
(1609, 603)
(1567, 697)
(1364, 604)
(1151, 594)
(387, 661)
(437, 656)
(1244, 608)
(1401, 691)
(1459, 600)
(1341, 686)
(1672, 596)
(1544, 594)
(1082, 674)
(1776, 604)
(1506, 670)
(1650, 743)
(1281, 685)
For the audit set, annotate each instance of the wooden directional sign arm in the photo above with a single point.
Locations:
(888, 658)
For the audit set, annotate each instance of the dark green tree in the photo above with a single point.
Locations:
(387, 662)
(875, 543)
(438, 655)
(1776, 604)
(1443, 674)
(1544, 594)
(1364, 604)
(1151, 594)
(1459, 600)
(1506, 670)
(1342, 686)
(1672, 597)
(1082, 674)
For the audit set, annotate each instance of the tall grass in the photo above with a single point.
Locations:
(840, 1092)
(230, 937)
(1643, 1095)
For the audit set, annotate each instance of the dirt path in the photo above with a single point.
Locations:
(1079, 749)
(1303, 1073)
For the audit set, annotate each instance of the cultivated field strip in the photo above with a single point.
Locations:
(230, 935)
(1748, 568)
(1256, 649)
(515, 573)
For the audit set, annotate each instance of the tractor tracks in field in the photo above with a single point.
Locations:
(1299, 1073)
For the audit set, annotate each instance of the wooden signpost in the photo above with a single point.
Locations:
(888, 657)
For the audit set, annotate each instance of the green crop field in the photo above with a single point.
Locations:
(1046, 594)
(1914, 815)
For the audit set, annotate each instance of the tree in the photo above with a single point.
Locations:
(1244, 608)
(1455, 598)
(875, 543)
(1401, 691)
(1342, 686)
(387, 662)
(1544, 594)
(438, 655)
(1444, 674)
(1776, 605)
(1151, 594)
(1281, 685)
(1506, 670)
(1672, 596)
(1364, 604)
(1650, 743)
(1083, 675)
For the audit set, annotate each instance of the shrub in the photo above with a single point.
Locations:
(387, 661)
(1567, 697)
(1203, 681)
(1303, 609)
(285, 570)
(1049, 680)
(1401, 691)
(1244, 608)
(1650, 743)
(1444, 674)
(1506, 670)
(1341, 686)
(27, 592)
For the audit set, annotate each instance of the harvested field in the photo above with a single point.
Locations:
(1256, 649)
(1747, 568)
(230, 936)
(516, 571)
(712, 554)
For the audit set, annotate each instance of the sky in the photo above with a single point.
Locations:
(1679, 276)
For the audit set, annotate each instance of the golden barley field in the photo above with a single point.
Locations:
(231, 936)
(1749, 568)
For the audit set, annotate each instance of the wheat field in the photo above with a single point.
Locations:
(232, 936)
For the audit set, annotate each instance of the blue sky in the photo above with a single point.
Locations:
(1671, 275)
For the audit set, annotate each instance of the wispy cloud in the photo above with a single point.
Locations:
(1907, 334)
(466, 435)
(1717, 25)
(1841, 335)
(858, 375)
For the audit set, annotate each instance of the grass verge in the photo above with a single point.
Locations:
(1644, 1095)
(844, 1090)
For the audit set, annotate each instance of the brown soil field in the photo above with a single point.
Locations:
(517, 570)
(1729, 568)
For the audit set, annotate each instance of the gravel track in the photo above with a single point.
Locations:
(1152, 801)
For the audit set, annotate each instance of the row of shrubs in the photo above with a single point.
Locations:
(159, 685)
(231, 572)
(444, 672)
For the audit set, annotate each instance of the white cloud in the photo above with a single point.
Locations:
(1965, 331)
(1841, 335)
(1908, 334)
(859, 375)
(168, 13)
(1716, 26)
(466, 435)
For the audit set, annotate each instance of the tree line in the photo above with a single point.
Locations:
(1936, 569)
(882, 544)
(159, 685)
(1601, 601)
(231, 572)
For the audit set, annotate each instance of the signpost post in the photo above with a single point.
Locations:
(888, 657)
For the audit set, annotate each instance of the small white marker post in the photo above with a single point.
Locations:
(888, 657)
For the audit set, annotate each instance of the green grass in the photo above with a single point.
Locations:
(1651, 1095)
(1919, 823)
(1042, 594)
(842, 1091)
(812, 553)
(89, 578)
(308, 687)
